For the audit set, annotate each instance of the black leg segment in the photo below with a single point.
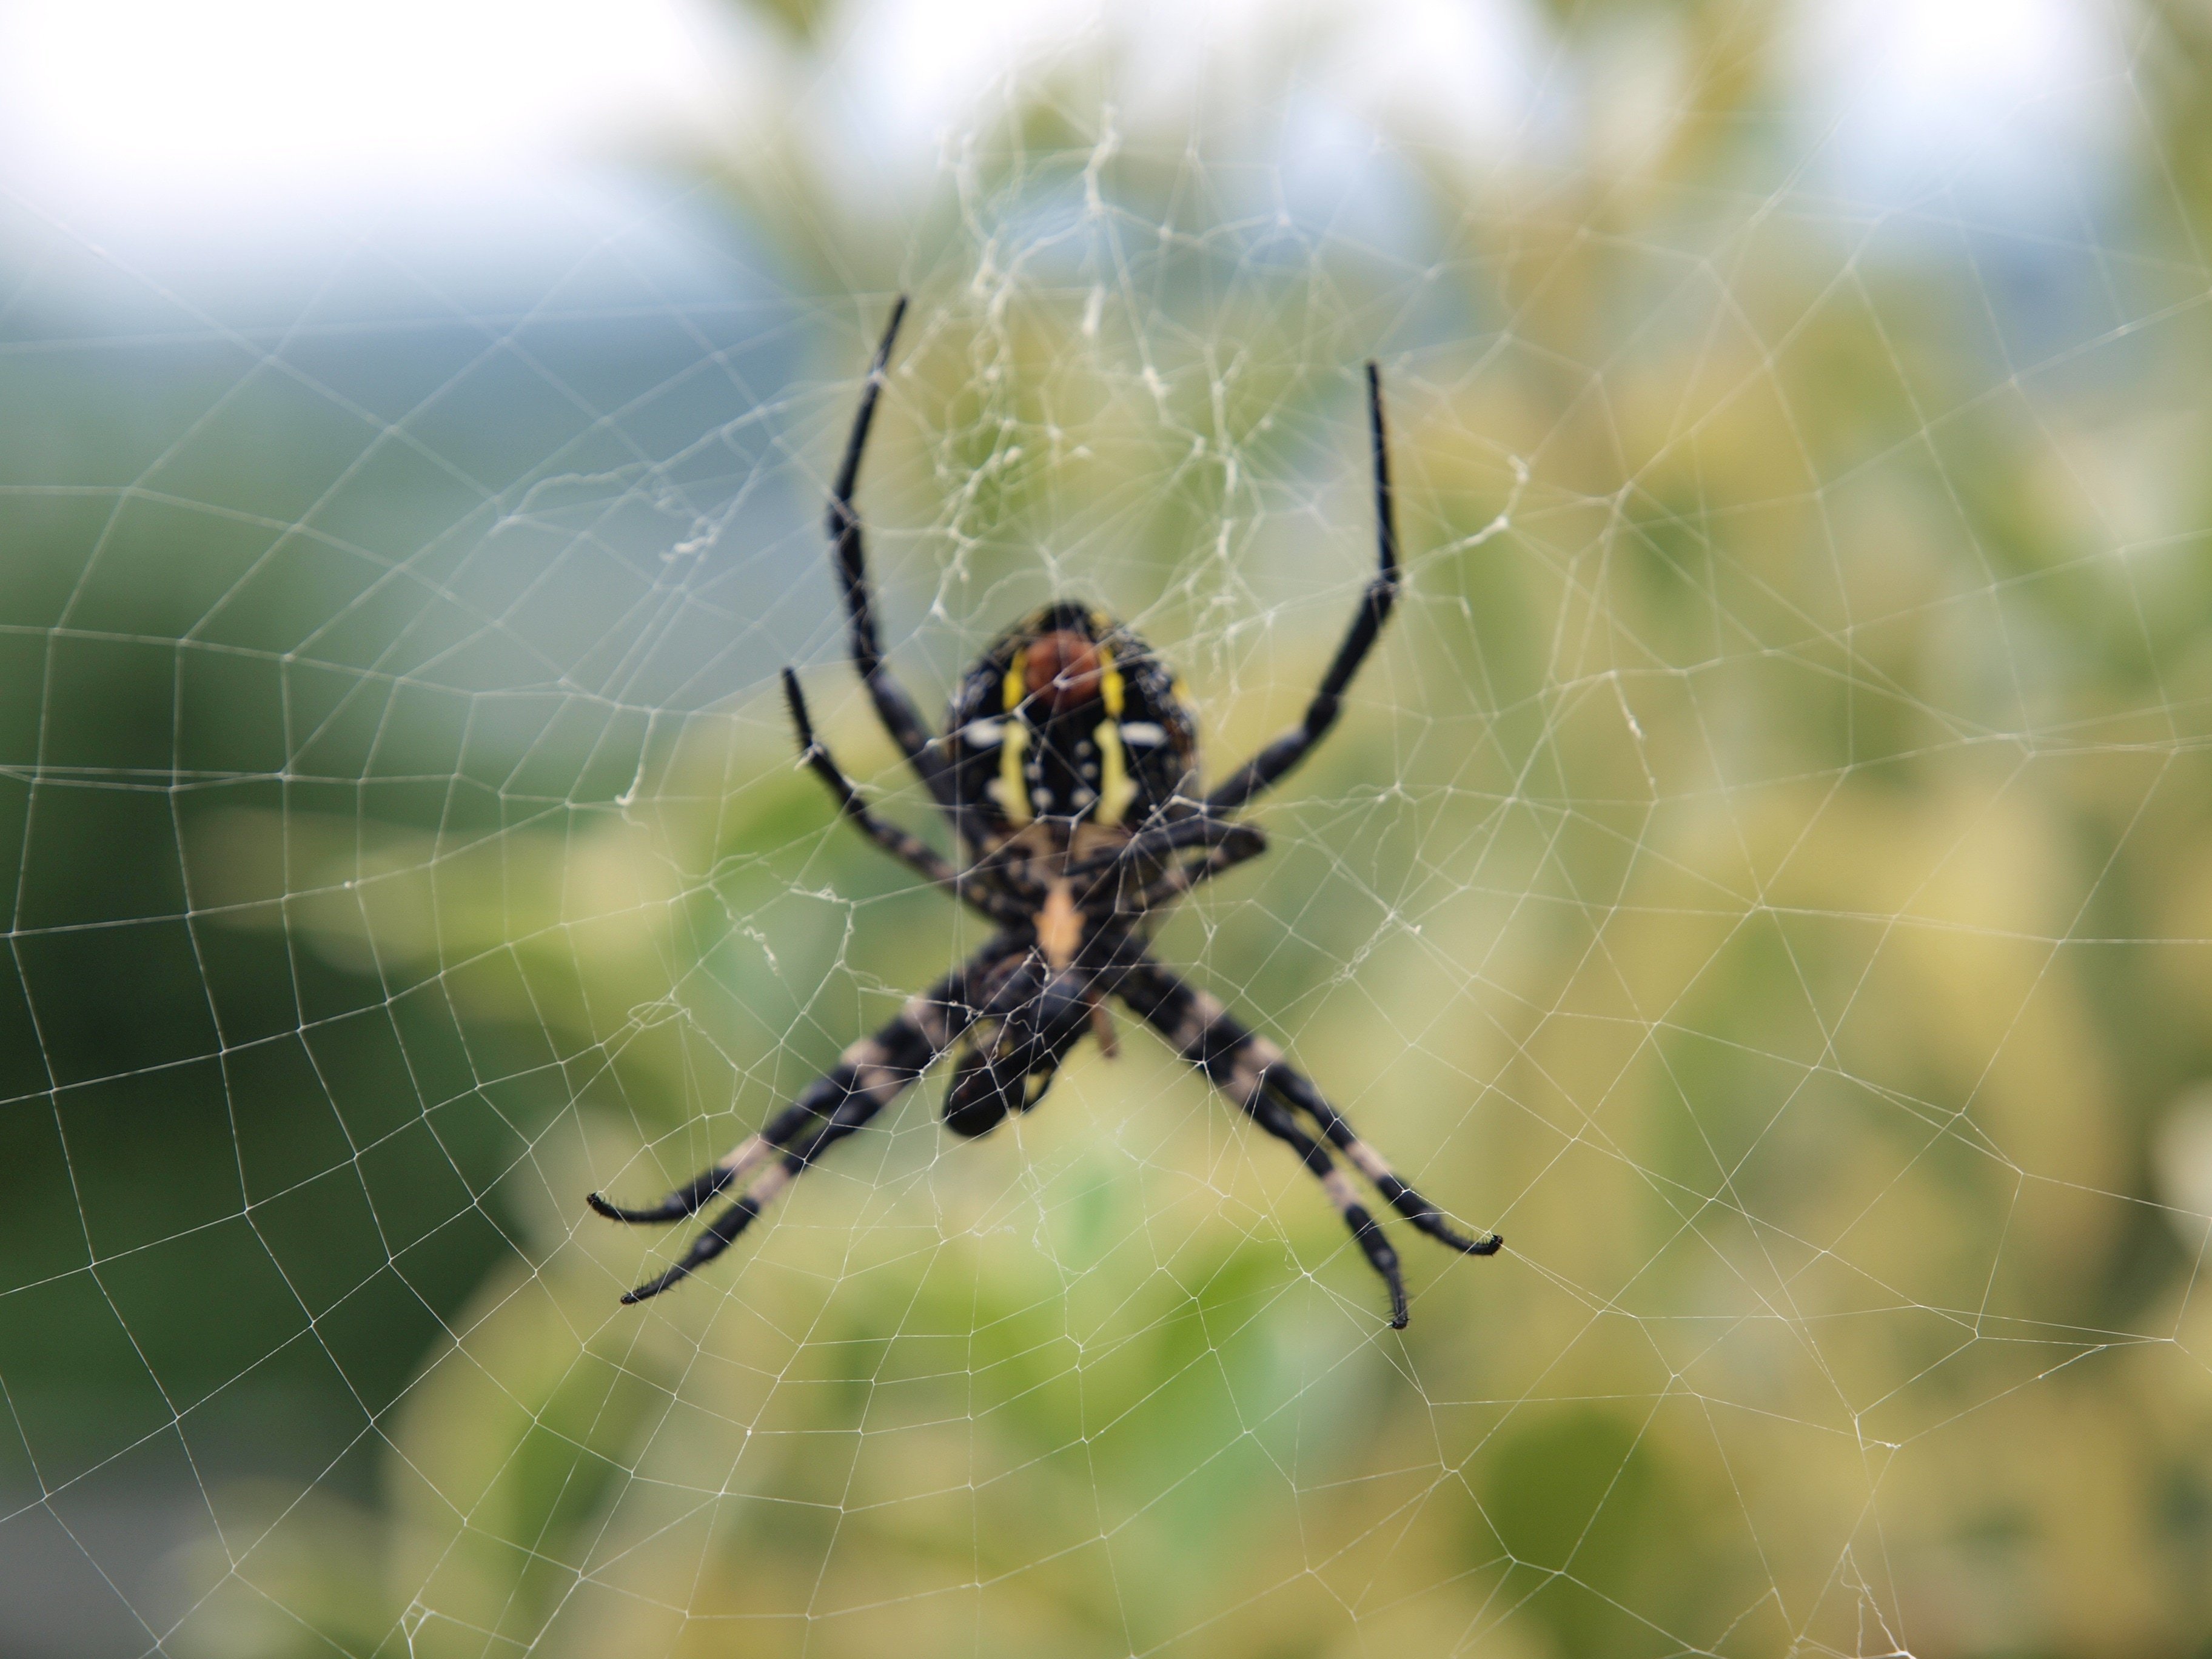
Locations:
(1366, 1232)
(685, 1200)
(1238, 841)
(893, 706)
(1293, 1089)
(909, 849)
(1262, 770)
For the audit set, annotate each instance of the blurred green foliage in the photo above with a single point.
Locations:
(1764, 873)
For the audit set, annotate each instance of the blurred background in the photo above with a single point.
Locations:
(1764, 871)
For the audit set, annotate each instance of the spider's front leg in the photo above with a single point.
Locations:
(893, 706)
(872, 1074)
(1251, 1072)
(1265, 768)
(899, 716)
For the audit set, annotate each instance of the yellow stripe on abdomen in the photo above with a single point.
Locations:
(1012, 784)
(1117, 789)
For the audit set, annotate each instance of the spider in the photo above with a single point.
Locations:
(1069, 771)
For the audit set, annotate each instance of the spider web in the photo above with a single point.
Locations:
(1761, 871)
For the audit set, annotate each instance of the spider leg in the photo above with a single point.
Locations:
(1262, 770)
(1237, 1063)
(1184, 877)
(1364, 1228)
(851, 1114)
(909, 849)
(868, 1077)
(1206, 829)
(1293, 1089)
(1255, 1063)
(893, 706)
(1228, 851)
(891, 1058)
(1224, 838)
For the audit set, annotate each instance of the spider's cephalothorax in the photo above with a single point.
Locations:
(1069, 772)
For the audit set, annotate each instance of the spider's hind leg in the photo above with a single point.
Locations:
(1251, 1072)
(1366, 1231)
(871, 1074)
(723, 1231)
(1294, 1089)
(1235, 1062)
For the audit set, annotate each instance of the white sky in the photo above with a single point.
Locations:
(215, 99)
(239, 107)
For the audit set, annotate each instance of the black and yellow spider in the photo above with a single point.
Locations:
(1069, 771)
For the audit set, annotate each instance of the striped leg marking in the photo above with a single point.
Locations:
(1293, 1089)
(1204, 1033)
(1251, 1071)
(872, 1074)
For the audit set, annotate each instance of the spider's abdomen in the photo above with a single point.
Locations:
(1070, 719)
